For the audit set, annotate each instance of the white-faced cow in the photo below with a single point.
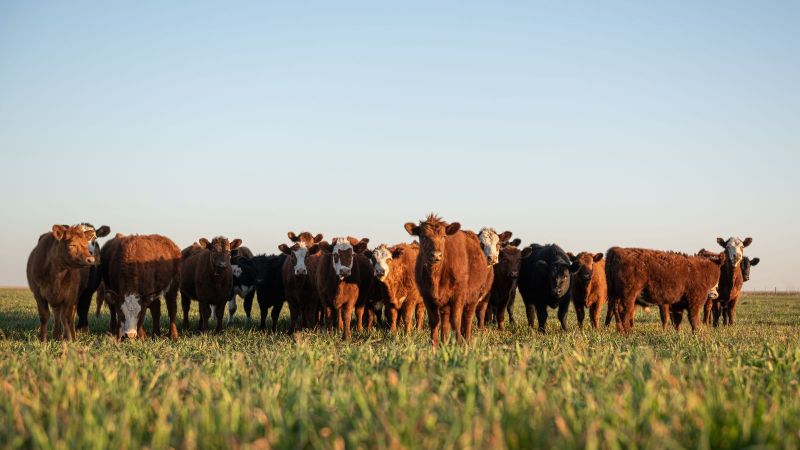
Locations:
(340, 282)
(299, 273)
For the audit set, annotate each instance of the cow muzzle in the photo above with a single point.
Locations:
(435, 257)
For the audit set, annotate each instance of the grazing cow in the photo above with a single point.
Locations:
(731, 280)
(504, 284)
(298, 272)
(451, 273)
(206, 276)
(545, 279)
(267, 271)
(589, 286)
(661, 278)
(140, 271)
(394, 268)
(243, 284)
(340, 282)
(92, 280)
(56, 267)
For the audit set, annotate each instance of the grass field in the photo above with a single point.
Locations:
(723, 388)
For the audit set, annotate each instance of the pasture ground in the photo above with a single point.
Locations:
(721, 388)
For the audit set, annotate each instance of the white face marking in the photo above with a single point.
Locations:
(92, 245)
(381, 266)
(491, 245)
(300, 259)
(714, 292)
(130, 311)
(341, 245)
(734, 250)
(237, 271)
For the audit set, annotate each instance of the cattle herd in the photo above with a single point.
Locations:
(450, 275)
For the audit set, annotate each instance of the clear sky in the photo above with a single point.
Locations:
(586, 124)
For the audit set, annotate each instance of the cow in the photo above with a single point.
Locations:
(267, 273)
(545, 280)
(662, 278)
(731, 280)
(92, 280)
(393, 268)
(589, 286)
(340, 281)
(207, 276)
(298, 273)
(61, 259)
(140, 271)
(504, 286)
(451, 272)
(747, 263)
(491, 245)
(242, 286)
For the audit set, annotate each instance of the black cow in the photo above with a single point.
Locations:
(504, 286)
(747, 262)
(269, 285)
(243, 284)
(545, 280)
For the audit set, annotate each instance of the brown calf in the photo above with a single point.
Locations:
(589, 286)
(206, 276)
(56, 268)
(394, 268)
(451, 273)
(662, 278)
(140, 270)
(340, 282)
(298, 272)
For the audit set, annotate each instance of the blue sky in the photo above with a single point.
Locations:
(586, 124)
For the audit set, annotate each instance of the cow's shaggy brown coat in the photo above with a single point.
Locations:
(394, 269)
(451, 273)
(341, 290)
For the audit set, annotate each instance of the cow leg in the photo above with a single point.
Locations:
(248, 303)
(339, 320)
(609, 314)
(530, 312)
(205, 317)
(563, 309)
(392, 318)
(445, 313)
(677, 318)
(627, 311)
(171, 299)
(348, 314)
(231, 309)
(420, 316)
(408, 317)
(732, 311)
(541, 317)
(434, 321)
(580, 314)
(663, 313)
(140, 333)
(457, 320)
(501, 318)
(360, 318)
(469, 312)
(716, 311)
(594, 315)
(186, 303)
(510, 306)
(84, 303)
(276, 313)
(694, 308)
(219, 312)
(707, 311)
(113, 325)
(44, 316)
(155, 314)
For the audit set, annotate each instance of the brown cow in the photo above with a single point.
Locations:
(298, 272)
(504, 286)
(57, 267)
(206, 276)
(662, 278)
(141, 270)
(340, 282)
(589, 286)
(451, 273)
(394, 268)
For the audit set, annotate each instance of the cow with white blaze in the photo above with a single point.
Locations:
(298, 274)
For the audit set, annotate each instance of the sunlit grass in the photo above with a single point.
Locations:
(722, 388)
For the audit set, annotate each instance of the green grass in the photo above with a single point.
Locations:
(722, 388)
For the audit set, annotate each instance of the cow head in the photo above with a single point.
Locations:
(220, 249)
(302, 245)
(747, 263)
(381, 259)
(78, 243)
(432, 233)
(491, 242)
(558, 273)
(510, 259)
(130, 310)
(342, 252)
(584, 266)
(244, 271)
(734, 249)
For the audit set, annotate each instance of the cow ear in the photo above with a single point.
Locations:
(542, 265)
(314, 249)
(285, 249)
(412, 228)
(721, 242)
(526, 252)
(452, 228)
(60, 231)
(505, 236)
(204, 243)
(235, 244)
(570, 256)
(318, 238)
(575, 267)
(598, 257)
(398, 252)
(292, 236)
(361, 246)
(747, 241)
(324, 245)
(755, 261)
(102, 231)
(515, 242)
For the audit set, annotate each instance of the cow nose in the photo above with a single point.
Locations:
(90, 260)
(514, 274)
(436, 256)
(131, 334)
(300, 272)
(344, 272)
